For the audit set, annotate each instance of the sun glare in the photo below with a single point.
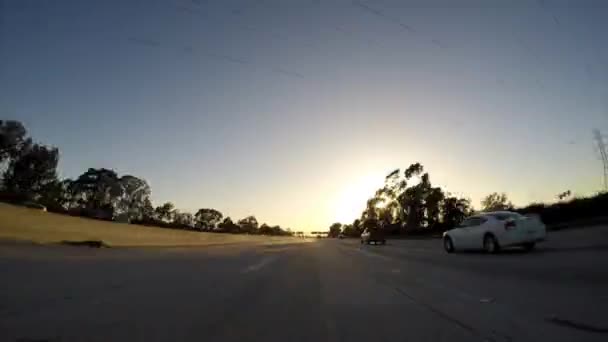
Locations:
(351, 201)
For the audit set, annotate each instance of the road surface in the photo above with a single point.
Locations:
(326, 290)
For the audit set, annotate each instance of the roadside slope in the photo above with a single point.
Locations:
(24, 224)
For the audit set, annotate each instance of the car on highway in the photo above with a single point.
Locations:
(492, 231)
(373, 235)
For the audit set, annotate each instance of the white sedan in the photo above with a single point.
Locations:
(494, 230)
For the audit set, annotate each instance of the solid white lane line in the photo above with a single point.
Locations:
(259, 265)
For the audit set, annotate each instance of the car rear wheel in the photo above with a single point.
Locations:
(529, 246)
(490, 245)
(448, 245)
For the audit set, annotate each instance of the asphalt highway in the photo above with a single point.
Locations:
(323, 290)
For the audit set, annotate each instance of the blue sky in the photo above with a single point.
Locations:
(295, 110)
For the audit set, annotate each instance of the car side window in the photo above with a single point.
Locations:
(466, 223)
(507, 216)
(472, 222)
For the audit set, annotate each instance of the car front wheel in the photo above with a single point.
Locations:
(448, 244)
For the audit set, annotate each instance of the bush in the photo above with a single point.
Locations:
(575, 209)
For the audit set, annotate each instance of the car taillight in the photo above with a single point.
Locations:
(509, 225)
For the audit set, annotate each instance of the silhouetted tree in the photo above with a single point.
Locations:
(432, 201)
(454, 210)
(183, 220)
(165, 212)
(133, 196)
(265, 229)
(248, 224)
(31, 172)
(563, 195)
(56, 196)
(496, 201)
(411, 200)
(354, 230)
(208, 219)
(97, 191)
(147, 211)
(228, 226)
(334, 230)
(12, 139)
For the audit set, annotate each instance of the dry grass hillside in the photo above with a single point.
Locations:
(24, 224)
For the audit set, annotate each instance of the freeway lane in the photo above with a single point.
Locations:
(328, 290)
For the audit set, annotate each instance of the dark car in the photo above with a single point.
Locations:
(373, 235)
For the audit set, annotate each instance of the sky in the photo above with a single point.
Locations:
(296, 110)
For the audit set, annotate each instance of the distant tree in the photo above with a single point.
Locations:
(97, 192)
(454, 210)
(563, 195)
(248, 224)
(335, 229)
(30, 173)
(133, 197)
(12, 139)
(353, 230)
(371, 223)
(56, 196)
(147, 210)
(496, 201)
(208, 219)
(412, 199)
(228, 226)
(183, 220)
(407, 200)
(357, 225)
(413, 170)
(432, 202)
(394, 186)
(265, 229)
(348, 230)
(165, 212)
(278, 231)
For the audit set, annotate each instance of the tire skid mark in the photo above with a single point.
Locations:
(441, 314)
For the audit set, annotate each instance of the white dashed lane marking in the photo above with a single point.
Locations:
(259, 265)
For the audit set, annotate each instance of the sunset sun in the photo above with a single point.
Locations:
(351, 201)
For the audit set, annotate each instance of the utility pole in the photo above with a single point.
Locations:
(599, 140)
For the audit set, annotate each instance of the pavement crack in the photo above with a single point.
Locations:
(439, 313)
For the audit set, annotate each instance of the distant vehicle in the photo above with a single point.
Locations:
(373, 235)
(341, 236)
(494, 230)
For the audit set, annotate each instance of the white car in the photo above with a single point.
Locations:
(494, 230)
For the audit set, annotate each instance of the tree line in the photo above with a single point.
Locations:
(29, 176)
(408, 203)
